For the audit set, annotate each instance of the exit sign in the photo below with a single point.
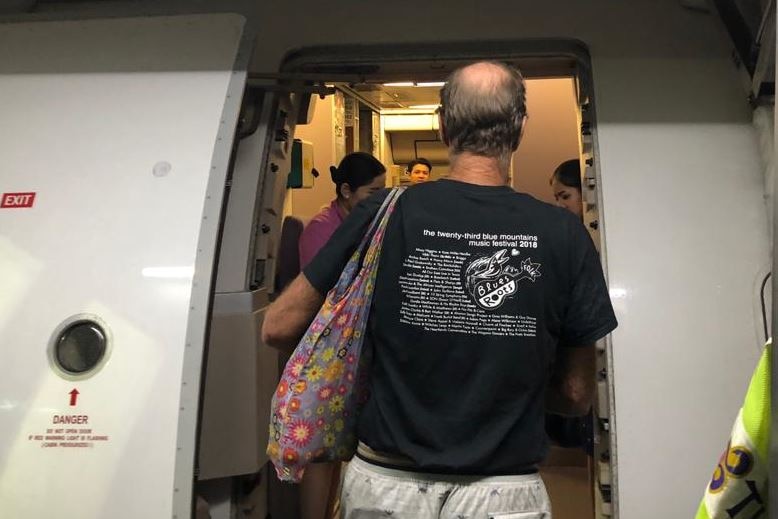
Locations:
(17, 200)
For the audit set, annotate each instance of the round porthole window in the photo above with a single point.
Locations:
(79, 347)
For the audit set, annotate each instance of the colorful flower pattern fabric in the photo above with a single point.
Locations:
(324, 384)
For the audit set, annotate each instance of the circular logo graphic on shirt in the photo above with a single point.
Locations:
(736, 462)
(739, 461)
(491, 280)
(719, 480)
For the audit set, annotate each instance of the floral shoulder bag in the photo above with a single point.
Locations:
(324, 384)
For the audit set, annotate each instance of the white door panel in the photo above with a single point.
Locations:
(116, 125)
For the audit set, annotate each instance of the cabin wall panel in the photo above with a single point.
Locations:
(306, 203)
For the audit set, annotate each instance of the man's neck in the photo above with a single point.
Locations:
(475, 169)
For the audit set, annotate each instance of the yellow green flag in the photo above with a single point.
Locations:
(738, 488)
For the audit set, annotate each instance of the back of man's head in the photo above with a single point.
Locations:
(483, 106)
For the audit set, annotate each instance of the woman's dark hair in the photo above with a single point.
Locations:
(356, 169)
(568, 174)
(424, 162)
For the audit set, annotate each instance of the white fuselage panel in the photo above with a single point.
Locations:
(113, 125)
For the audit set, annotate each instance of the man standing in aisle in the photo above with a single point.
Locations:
(486, 308)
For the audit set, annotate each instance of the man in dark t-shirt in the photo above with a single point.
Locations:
(487, 304)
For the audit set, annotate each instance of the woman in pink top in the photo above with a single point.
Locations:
(358, 176)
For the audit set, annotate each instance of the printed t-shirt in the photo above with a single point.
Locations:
(476, 288)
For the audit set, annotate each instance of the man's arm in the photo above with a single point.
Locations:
(287, 319)
(571, 387)
(588, 317)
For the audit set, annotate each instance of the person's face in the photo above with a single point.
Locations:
(568, 198)
(419, 173)
(363, 192)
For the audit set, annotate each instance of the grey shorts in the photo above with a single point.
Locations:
(371, 491)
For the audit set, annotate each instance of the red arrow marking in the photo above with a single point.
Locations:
(73, 397)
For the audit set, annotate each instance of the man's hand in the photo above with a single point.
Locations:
(290, 315)
(571, 388)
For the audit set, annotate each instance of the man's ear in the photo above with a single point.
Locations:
(521, 132)
(442, 129)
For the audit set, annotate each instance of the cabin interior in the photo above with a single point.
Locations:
(396, 122)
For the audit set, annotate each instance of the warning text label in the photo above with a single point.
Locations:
(69, 437)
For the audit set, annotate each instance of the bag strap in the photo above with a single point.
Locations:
(378, 219)
(374, 250)
(362, 254)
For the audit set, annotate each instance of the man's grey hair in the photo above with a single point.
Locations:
(484, 115)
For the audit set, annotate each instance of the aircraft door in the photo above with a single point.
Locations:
(115, 141)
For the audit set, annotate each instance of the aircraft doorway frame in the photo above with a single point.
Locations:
(536, 58)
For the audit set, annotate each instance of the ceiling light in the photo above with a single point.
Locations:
(423, 107)
(414, 84)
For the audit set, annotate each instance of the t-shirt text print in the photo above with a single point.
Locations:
(459, 292)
